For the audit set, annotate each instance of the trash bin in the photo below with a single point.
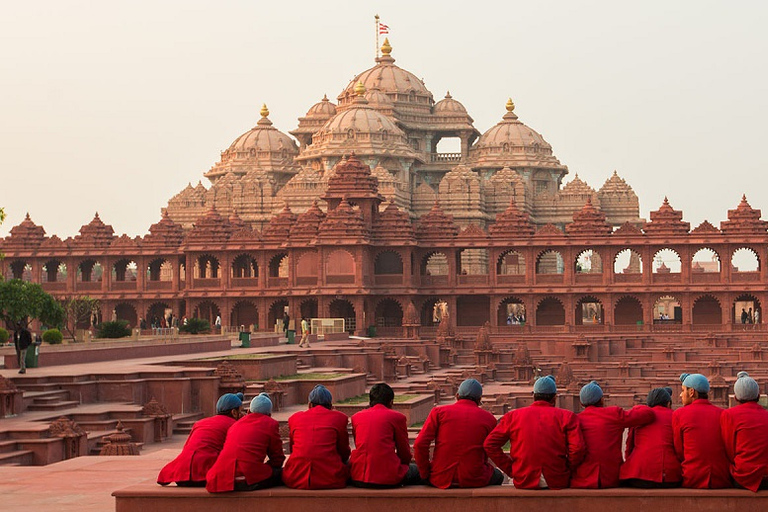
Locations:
(371, 331)
(245, 339)
(32, 352)
(291, 336)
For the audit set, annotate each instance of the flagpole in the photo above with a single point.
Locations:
(376, 27)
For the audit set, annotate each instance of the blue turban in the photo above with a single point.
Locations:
(320, 396)
(696, 381)
(659, 396)
(228, 402)
(590, 394)
(261, 404)
(746, 388)
(240, 396)
(471, 389)
(545, 385)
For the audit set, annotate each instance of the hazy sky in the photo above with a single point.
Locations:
(114, 107)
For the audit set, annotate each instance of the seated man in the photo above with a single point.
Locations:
(744, 429)
(651, 462)
(241, 466)
(545, 441)
(698, 441)
(319, 445)
(603, 429)
(382, 454)
(203, 445)
(458, 431)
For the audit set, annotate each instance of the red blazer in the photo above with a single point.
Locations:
(544, 440)
(650, 453)
(382, 452)
(200, 451)
(458, 431)
(248, 443)
(699, 446)
(745, 434)
(319, 450)
(603, 430)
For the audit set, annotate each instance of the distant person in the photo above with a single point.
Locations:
(253, 439)
(22, 339)
(749, 316)
(603, 431)
(744, 316)
(319, 445)
(286, 323)
(203, 445)
(650, 459)
(217, 322)
(304, 332)
(757, 316)
(697, 436)
(745, 435)
(382, 455)
(545, 441)
(143, 324)
(458, 431)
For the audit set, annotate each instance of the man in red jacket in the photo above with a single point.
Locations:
(458, 431)
(241, 466)
(744, 430)
(319, 445)
(545, 441)
(603, 430)
(651, 462)
(203, 445)
(382, 454)
(697, 438)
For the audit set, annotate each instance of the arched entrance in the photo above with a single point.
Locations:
(388, 313)
(428, 312)
(308, 308)
(589, 311)
(667, 310)
(127, 312)
(207, 310)
(245, 313)
(158, 315)
(276, 311)
(746, 309)
(550, 312)
(706, 310)
(342, 308)
(628, 311)
(511, 312)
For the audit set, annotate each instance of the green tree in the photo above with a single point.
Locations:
(20, 302)
(78, 310)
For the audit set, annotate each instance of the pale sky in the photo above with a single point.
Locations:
(115, 107)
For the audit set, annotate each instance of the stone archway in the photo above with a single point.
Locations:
(207, 310)
(589, 311)
(157, 315)
(388, 313)
(245, 313)
(428, 311)
(342, 308)
(127, 312)
(550, 311)
(746, 303)
(308, 308)
(706, 310)
(276, 311)
(511, 311)
(628, 311)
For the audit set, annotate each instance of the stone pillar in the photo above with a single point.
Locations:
(141, 273)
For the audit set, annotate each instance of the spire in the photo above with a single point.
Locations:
(510, 106)
(264, 121)
(386, 48)
(359, 88)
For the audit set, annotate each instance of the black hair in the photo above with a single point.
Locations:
(381, 393)
(658, 396)
(703, 396)
(547, 397)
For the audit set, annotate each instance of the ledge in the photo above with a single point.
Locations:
(153, 498)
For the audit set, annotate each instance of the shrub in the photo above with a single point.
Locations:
(116, 329)
(4, 335)
(196, 326)
(53, 336)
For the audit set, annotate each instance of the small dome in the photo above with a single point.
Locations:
(511, 131)
(448, 105)
(323, 109)
(375, 98)
(264, 137)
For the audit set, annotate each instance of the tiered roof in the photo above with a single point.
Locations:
(589, 221)
(343, 223)
(744, 220)
(352, 179)
(211, 228)
(667, 221)
(95, 234)
(165, 233)
(436, 225)
(393, 224)
(279, 227)
(307, 224)
(27, 235)
(511, 223)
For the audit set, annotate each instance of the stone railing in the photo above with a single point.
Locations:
(444, 157)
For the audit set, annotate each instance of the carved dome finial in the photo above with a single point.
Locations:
(510, 105)
(386, 48)
(448, 95)
(264, 110)
(359, 88)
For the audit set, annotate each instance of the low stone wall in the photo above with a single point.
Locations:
(342, 388)
(415, 410)
(262, 368)
(54, 355)
(153, 498)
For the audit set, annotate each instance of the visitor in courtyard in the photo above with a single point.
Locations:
(546, 443)
(757, 316)
(22, 339)
(650, 456)
(254, 438)
(382, 455)
(744, 316)
(603, 429)
(458, 431)
(304, 332)
(697, 437)
(286, 323)
(319, 445)
(203, 445)
(745, 434)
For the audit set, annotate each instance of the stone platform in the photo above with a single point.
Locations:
(152, 498)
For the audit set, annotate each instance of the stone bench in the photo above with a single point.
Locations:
(153, 498)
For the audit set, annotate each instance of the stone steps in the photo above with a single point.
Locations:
(53, 405)
(17, 458)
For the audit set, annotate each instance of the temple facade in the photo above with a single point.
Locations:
(363, 219)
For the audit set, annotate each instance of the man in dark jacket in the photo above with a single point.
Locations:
(22, 339)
